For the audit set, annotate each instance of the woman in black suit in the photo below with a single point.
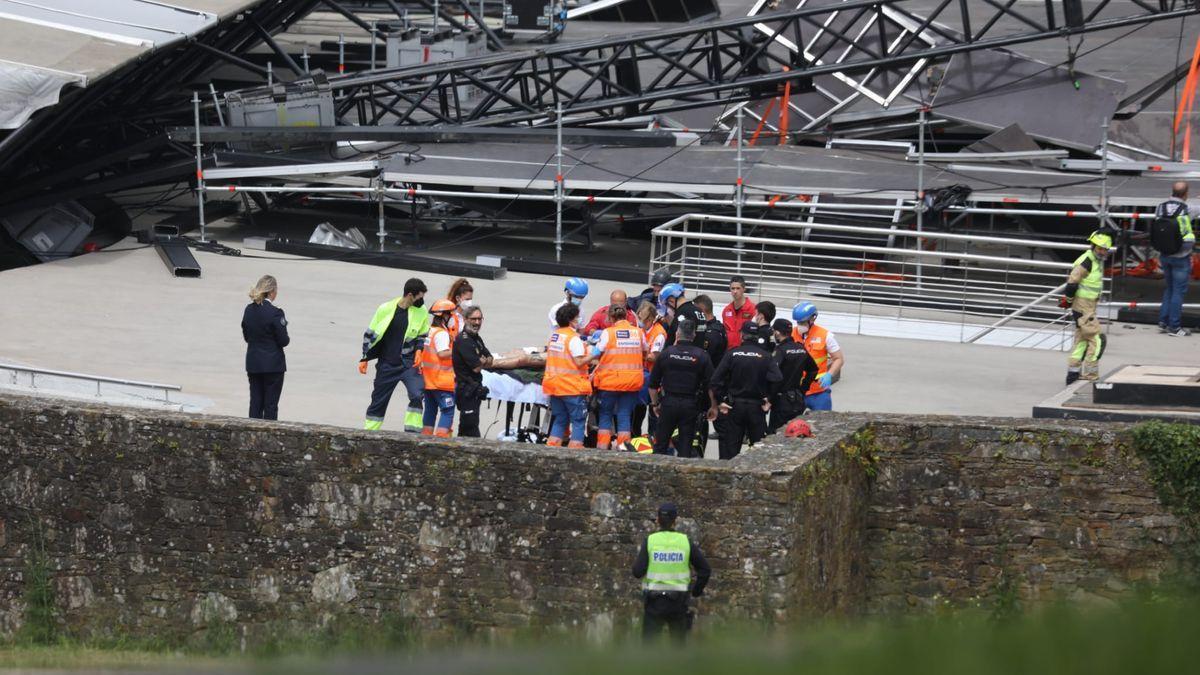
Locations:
(265, 329)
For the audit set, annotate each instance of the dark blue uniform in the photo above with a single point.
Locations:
(682, 370)
(264, 328)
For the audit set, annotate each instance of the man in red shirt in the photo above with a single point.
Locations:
(737, 312)
(599, 320)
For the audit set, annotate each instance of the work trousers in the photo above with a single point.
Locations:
(468, 415)
(1087, 344)
(747, 420)
(265, 389)
(387, 376)
(666, 610)
(619, 405)
(784, 411)
(564, 410)
(677, 413)
(1176, 272)
(439, 410)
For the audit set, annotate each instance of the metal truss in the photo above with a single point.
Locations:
(729, 61)
(111, 133)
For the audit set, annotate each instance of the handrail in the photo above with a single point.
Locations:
(93, 378)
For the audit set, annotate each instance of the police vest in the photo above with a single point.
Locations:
(814, 344)
(620, 367)
(1093, 284)
(562, 376)
(437, 371)
(669, 568)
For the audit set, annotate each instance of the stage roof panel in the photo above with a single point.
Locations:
(48, 44)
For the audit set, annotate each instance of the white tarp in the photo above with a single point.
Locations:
(24, 90)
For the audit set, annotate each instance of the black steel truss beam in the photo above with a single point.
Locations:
(725, 61)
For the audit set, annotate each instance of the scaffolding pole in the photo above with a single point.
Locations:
(558, 184)
(199, 168)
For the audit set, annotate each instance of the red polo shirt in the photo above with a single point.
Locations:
(734, 318)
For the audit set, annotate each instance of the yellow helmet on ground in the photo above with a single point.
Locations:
(1101, 239)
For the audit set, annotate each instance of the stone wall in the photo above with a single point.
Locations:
(167, 523)
(962, 508)
(170, 524)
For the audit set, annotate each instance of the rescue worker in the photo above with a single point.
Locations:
(462, 294)
(566, 379)
(823, 346)
(599, 320)
(656, 337)
(470, 357)
(798, 369)
(264, 328)
(576, 290)
(1084, 285)
(746, 376)
(660, 279)
(664, 563)
(740, 310)
(684, 308)
(437, 368)
(680, 371)
(620, 354)
(395, 337)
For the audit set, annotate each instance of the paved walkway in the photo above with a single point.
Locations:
(120, 314)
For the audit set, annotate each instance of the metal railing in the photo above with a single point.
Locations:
(104, 386)
(885, 280)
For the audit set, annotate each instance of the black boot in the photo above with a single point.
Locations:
(1072, 376)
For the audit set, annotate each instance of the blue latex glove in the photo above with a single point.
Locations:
(594, 337)
(825, 380)
(596, 352)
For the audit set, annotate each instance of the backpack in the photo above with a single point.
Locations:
(1165, 236)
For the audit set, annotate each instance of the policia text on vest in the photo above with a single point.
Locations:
(664, 564)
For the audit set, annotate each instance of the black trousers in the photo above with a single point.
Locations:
(746, 420)
(784, 411)
(662, 610)
(468, 415)
(677, 412)
(265, 389)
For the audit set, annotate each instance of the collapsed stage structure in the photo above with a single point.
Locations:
(883, 119)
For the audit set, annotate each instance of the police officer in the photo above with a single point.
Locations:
(396, 336)
(682, 370)
(799, 370)
(664, 564)
(264, 327)
(470, 357)
(684, 309)
(745, 376)
(710, 333)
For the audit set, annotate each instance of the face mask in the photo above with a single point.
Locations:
(466, 304)
(419, 302)
(576, 301)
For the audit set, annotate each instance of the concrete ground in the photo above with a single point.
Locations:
(118, 313)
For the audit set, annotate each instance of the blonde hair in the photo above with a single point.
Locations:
(646, 311)
(265, 286)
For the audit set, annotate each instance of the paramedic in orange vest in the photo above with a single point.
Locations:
(621, 351)
(462, 295)
(824, 349)
(437, 367)
(566, 378)
(656, 338)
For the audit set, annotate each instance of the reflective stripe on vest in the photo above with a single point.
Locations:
(418, 324)
(669, 567)
(562, 376)
(438, 371)
(814, 342)
(620, 367)
(1092, 285)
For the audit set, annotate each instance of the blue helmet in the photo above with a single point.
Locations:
(669, 291)
(804, 311)
(576, 286)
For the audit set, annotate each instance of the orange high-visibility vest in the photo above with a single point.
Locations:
(438, 372)
(455, 325)
(620, 367)
(814, 342)
(563, 377)
(656, 331)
